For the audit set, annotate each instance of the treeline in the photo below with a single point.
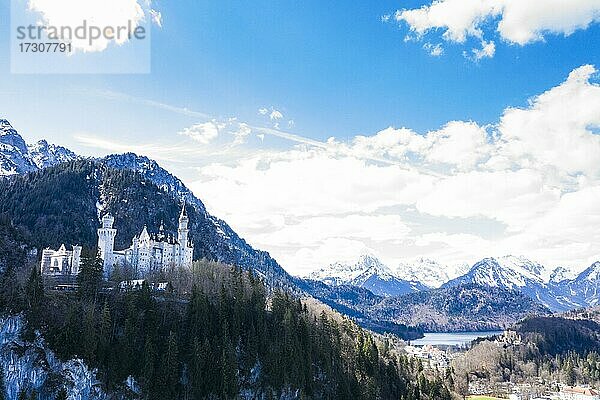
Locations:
(552, 349)
(219, 335)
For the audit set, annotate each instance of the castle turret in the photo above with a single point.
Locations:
(183, 231)
(185, 248)
(106, 242)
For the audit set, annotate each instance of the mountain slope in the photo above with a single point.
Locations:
(61, 204)
(513, 273)
(584, 290)
(367, 272)
(16, 157)
(458, 308)
(428, 272)
(557, 292)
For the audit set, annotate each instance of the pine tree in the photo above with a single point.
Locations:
(90, 275)
(2, 385)
(171, 367)
(34, 296)
(105, 333)
(148, 372)
(62, 394)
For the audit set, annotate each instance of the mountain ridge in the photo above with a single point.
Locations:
(367, 272)
(18, 157)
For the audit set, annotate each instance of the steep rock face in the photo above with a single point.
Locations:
(509, 272)
(32, 366)
(16, 157)
(13, 152)
(150, 170)
(44, 155)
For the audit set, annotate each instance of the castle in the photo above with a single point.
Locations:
(148, 251)
(61, 261)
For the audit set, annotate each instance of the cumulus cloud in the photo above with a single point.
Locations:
(487, 50)
(528, 184)
(458, 144)
(556, 129)
(99, 13)
(515, 21)
(204, 132)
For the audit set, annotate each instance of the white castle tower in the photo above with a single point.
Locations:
(186, 250)
(106, 242)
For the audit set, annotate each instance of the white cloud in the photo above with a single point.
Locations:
(98, 13)
(506, 196)
(275, 115)
(458, 144)
(241, 133)
(556, 129)
(434, 50)
(314, 231)
(204, 132)
(263, 111)
(516, 21)
(156, 17)
(530, 184)
(488, 49)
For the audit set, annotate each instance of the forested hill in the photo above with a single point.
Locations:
(215, 334)
(459, 308)
(62, 204)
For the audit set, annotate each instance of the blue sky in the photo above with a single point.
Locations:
(335, 69)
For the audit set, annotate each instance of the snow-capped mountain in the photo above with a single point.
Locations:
(513, 273)
(44, 154)
(556, 289)
(16, 157)
(150, 170)
(560, 274)
(429, 272)
(509, 271)
(585, 288)
(367, 272)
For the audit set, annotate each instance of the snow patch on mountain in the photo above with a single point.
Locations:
(560, 274)
(44, 154)
(556, 289)
(429, 272)
(367, 272)
(17, 157)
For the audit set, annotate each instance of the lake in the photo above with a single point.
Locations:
(451, 339)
